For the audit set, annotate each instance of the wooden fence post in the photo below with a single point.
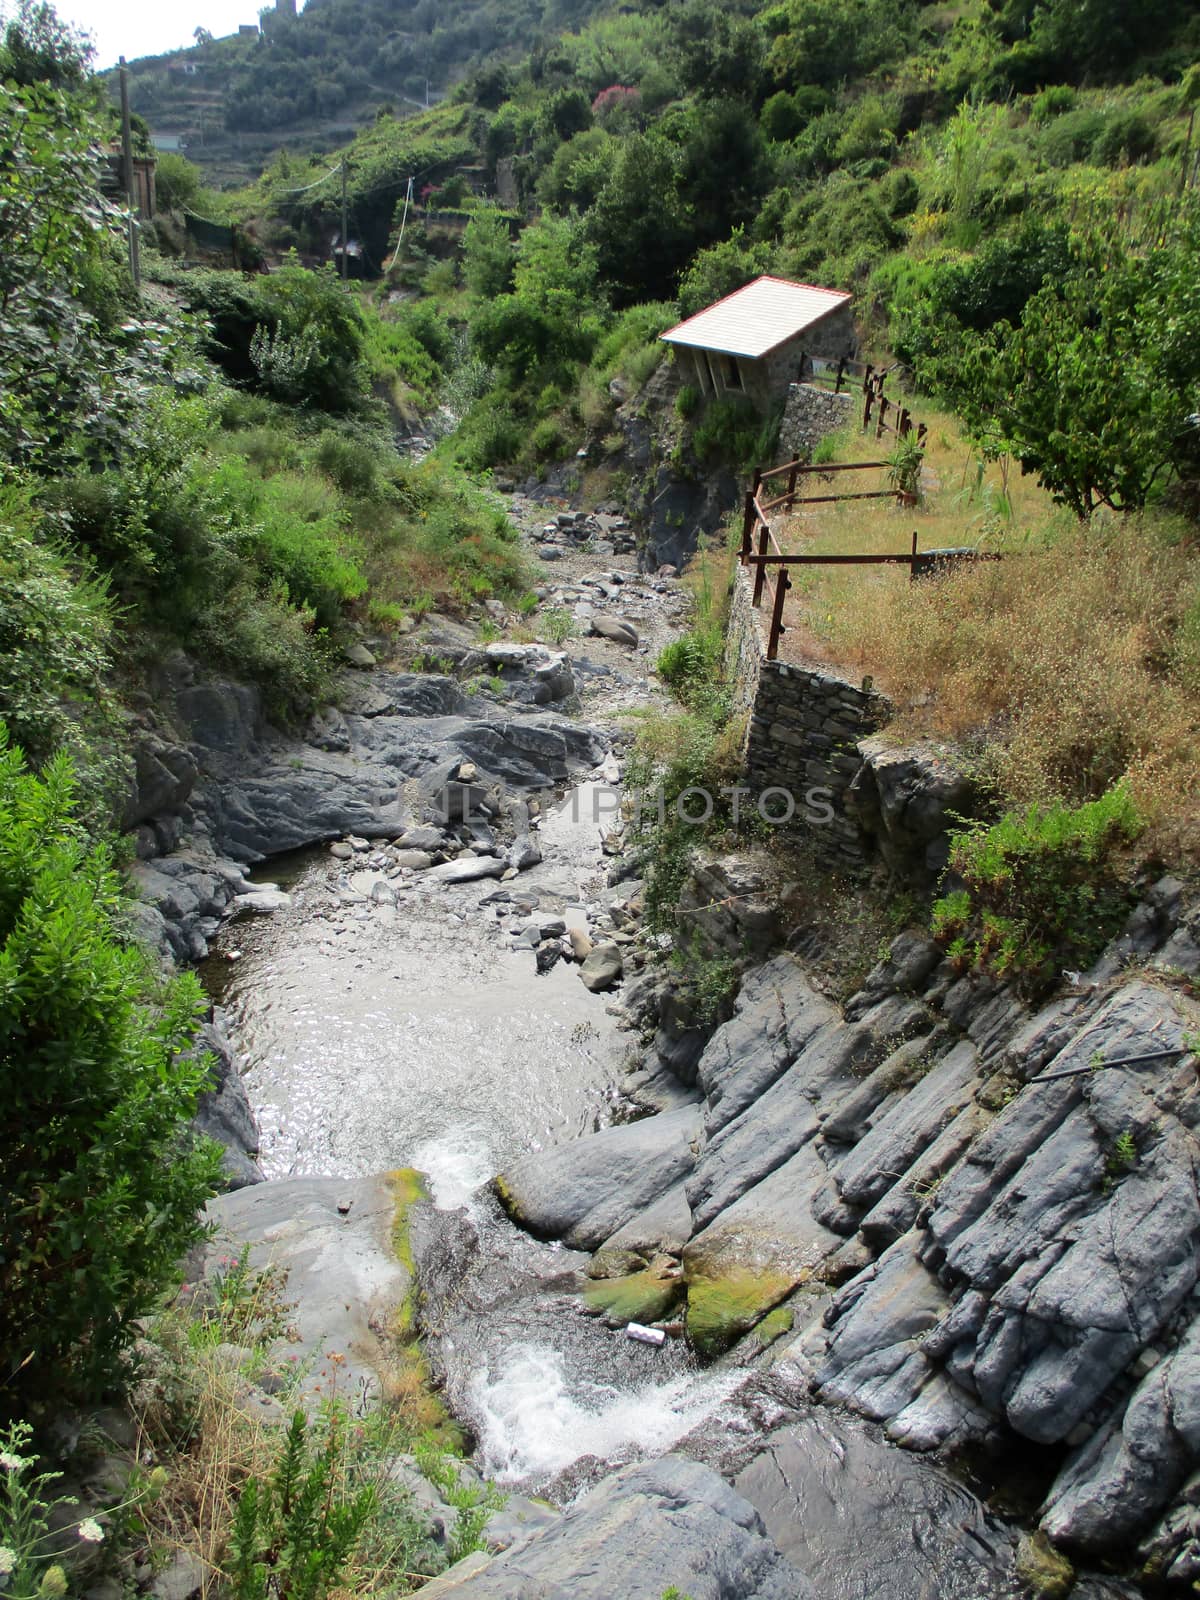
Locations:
(782, 585)
(760, 572)
(841, 372)
(912, 567)
(884, 407)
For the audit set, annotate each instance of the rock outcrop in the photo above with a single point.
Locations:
(984, 1218)
(663, 1524)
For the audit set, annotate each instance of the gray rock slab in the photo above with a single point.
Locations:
(664, 1226)
(776, 1014)
(658, 1524)
(866, 1520)
(910, 1124)
(1112, 1486)
(332, 1236)
(583, 1192)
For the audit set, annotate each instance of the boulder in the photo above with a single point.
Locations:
(334, 1239)
(601, 968)
(613, 628)
(651, 1527)
(162, 780)
(583, 1192)
(223, 1111)
(465, 870)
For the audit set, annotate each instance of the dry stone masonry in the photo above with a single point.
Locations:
(803, 728)
(810, 415)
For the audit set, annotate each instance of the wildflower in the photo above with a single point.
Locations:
(10, 1461)
(54, 1584)
(90, 1530)
(8, 1560)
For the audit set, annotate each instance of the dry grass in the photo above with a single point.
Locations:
(201, 1418)
(965, 503)
(1067, 665)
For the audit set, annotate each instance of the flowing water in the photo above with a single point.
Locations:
(375, 1036)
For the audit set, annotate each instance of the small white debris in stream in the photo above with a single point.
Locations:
(643, 1335)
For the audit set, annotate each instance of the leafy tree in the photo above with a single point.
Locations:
(74, 358)
(55, 631)
(177, 181)
(824, 42)
(101, 1182)
(1096, 391)
(556, 270)
(566, 113)
(488, 254)
(40, 48)
(637, 223)
(578, 170)
(724, 169)
(718, 54)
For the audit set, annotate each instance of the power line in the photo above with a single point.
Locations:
(313, 185)
(403, 219)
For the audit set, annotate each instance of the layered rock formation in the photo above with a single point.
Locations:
(983, 1218)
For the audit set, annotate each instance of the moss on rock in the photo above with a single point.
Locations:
(774, 1325)
(726, 1301)
(637, 1297)
(408, 1385)
(1045, 1571)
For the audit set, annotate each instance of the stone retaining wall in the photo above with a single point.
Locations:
(810, 414)
(803, 727)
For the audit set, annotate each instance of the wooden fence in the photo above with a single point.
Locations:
(890, 417)
(761, 549)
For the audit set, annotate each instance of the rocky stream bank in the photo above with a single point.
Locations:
(924, 1262)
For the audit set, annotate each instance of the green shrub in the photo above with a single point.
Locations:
(1052, 102)
(55, 637)
(351, 464)
(547, 441)
(266, 638)
(734, 433)
(296, 1530)
(687, 401)
(291, 533)
(102, 1182)
(691, 665)
(1043, 888)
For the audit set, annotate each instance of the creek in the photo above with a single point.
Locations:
(374, 1036)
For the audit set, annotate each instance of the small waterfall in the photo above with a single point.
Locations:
(535, 1418)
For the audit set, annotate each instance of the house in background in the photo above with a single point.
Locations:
(758, 340)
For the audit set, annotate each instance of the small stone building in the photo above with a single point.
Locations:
(753, 341)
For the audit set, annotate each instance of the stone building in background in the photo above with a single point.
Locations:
(758, 340)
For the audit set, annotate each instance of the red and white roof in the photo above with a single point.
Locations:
(756, 318)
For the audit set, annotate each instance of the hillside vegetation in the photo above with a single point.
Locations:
(943, 163)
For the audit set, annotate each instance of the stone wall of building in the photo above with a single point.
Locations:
(810, 414)
(803, 725)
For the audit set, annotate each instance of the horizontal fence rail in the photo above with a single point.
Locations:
(762, 553)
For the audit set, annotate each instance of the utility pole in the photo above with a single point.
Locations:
(135, 265)
(345, 234)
